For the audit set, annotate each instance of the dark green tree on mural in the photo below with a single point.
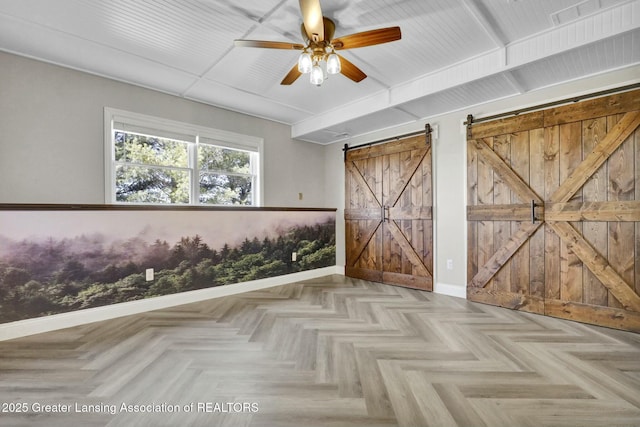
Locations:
(38, 279)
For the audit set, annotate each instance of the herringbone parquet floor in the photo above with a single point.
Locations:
(328, 352)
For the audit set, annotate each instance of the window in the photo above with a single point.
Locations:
(157, 161)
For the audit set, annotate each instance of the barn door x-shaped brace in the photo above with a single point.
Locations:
(385, 210)
(557, 211)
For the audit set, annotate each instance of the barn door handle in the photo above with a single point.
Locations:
(385, 214)
(533, 212)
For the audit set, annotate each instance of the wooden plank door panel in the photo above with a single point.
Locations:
(389, 231)
(520, 266)
(407, 226)
(537, 240)
(609, 262)
(621, 187)
(636, 138)
(500, 221)
(502, 229)
(571, 287)
(595, 232)
(363, 218)
(364, 262)
(584, 253)
(472, 224)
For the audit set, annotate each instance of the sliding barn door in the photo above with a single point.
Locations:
(554, 212)
(388, 213)
(506, 247)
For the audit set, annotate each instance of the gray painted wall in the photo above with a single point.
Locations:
(51, 136)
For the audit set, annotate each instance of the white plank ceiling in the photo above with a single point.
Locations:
(453, 53)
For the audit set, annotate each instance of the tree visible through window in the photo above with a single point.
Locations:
(151, 169)
(156, 166)
(225, 176)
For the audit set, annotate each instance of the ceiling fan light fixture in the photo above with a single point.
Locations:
(304, 63)
(317, 75)
(333, 63)
(318, 57)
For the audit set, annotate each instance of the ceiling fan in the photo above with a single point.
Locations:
(318, 52)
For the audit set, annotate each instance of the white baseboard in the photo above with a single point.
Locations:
(451, 290)
(439, 288)
(22, 328)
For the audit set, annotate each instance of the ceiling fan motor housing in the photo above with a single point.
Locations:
(329, 31)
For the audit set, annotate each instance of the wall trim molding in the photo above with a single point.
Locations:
(23, 328)
(143, 207)
(451, 290)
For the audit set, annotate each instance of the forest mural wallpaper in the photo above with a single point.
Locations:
(59, 261)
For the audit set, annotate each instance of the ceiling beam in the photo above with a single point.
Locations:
(610, 22)
(259, 22)
(514, 82)
(486, 21)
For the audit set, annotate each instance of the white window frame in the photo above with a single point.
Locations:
(186, 132)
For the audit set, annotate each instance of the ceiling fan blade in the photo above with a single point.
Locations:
(292, 76)
(312, 18)
(268, 44)
(367, 38)
(350, 70)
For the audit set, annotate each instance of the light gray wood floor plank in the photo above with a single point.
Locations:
(333, 351)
